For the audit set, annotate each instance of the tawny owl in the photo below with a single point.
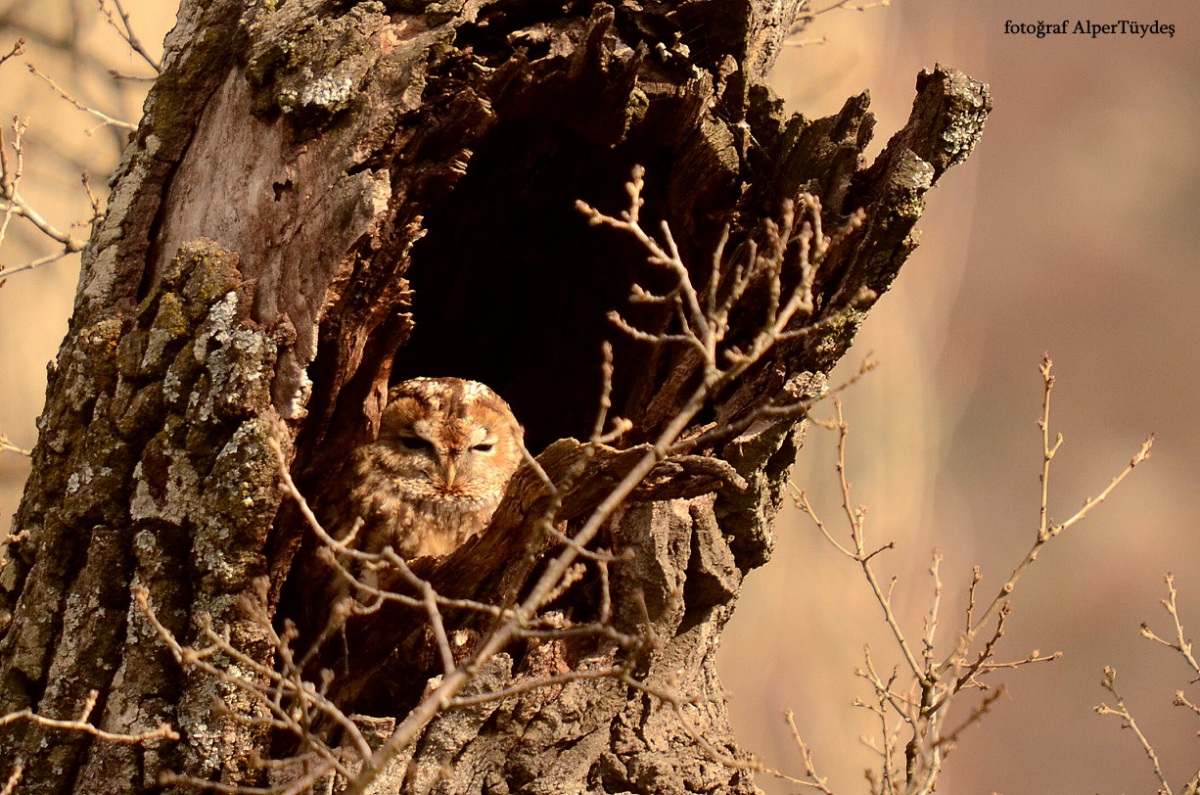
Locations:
(445, 452)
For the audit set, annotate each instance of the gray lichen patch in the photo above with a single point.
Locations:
(240, 497)
(304, 67)
(212, 711)
(165, 481)
(330, 92)
(238, 360)
(967, 103)
(215, 390)
(205, 485)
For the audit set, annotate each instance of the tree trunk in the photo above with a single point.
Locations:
(327, 196)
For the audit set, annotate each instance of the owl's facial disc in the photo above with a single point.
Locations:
(437, 468)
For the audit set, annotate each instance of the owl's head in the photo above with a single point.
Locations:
(449, 437)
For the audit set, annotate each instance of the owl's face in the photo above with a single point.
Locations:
(449, 439)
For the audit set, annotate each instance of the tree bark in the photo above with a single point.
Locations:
(327, 196)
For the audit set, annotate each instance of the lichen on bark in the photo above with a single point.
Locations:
(174, 488)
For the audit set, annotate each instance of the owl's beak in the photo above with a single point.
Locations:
(450, 472)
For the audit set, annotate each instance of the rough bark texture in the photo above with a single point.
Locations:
(327, 195)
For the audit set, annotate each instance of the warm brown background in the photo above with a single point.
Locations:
(1070, 230)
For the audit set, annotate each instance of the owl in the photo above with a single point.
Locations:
(434, 476)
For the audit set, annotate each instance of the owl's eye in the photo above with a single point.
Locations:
(414, 443)
(486, 447)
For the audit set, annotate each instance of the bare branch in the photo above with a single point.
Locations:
(104, 118)
(7, 445)
(264, 684)
(818, 783)
(1109, 683)
(18, 48)
(918, 702)
(14, 205)
(1181, 643)
(125, 31)
(698, 329)
(162, 732)
(14, 778)
(846, 4)
(1046, 530)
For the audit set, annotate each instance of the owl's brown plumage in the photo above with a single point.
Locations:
(434, 476)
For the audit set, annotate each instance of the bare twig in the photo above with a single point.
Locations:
(608, 672)
(806, 16)
(819, 783)
(846, 4)
(7, 445)
(1046, 529)
(620, 425)
(918, 702)
(125, 31)
(806, 42)
(857, 550)
(1181, 643)
(14, 205)
(105, 119)
(949, 738)
(1109, 683)
(18, 48)
(95, 201)
(1183, 647)
(162, 732)
(275, 691)
(14, 778)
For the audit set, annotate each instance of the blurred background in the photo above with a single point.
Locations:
(1069, 230)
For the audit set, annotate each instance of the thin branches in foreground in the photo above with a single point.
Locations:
(782, 262)
(88, 65)
(912, 702)
(1182, 646)
(13, 204)
(80, 725)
